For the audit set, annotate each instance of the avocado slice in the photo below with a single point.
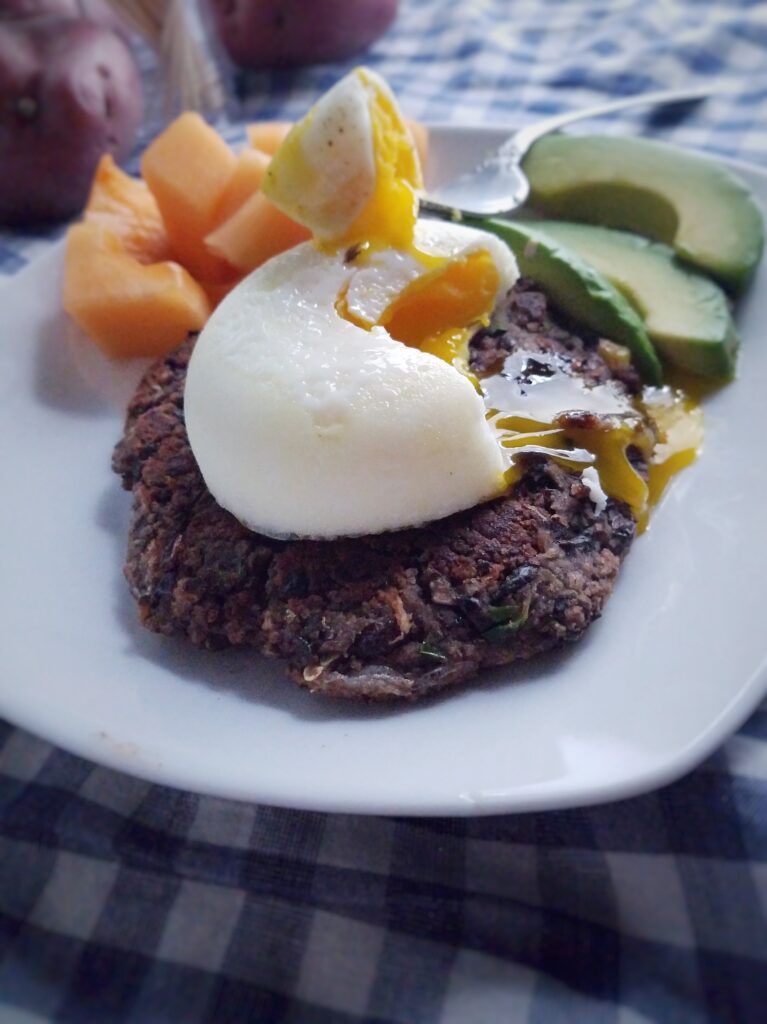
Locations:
(578, 289)
(658, 190)
(686, 315)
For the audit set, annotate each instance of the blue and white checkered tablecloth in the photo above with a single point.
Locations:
(124, 901)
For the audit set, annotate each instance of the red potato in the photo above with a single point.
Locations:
(69, 92)
(285, 33)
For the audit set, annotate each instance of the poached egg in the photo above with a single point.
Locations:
(329, 394)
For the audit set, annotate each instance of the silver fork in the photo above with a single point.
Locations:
(498, 184)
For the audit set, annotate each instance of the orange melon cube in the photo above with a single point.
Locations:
(255, 233)
(268, 136)
(125, 206)
(244, 182)
(217, 292)
(187, 168)
(128, 308)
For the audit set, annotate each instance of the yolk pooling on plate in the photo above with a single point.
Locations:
(536, 404)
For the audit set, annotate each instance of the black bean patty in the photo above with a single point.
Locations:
(398, 614)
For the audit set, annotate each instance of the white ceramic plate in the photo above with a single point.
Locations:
(675, 665)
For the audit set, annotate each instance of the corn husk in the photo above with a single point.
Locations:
(173, 30)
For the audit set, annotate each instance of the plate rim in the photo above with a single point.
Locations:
(534, 797)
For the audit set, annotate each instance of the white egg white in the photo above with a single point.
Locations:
(304, 424)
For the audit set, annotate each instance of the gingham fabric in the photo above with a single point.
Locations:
(126, 902)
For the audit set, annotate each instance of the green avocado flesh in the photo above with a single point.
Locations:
(579, 289)
(702, 210)
(686, 315)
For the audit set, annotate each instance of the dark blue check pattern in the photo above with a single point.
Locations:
(126, 902)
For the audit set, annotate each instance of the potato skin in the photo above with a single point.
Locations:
(285, 33)
(69, 92)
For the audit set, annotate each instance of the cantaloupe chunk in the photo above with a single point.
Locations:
(217, 292)
(188, 168)
(125, 206)
(128, 308)
(255, 233)
(268, 136)
(244, 183)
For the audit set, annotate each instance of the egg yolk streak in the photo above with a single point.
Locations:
(387, 221)
(451, 296)
(664, 427)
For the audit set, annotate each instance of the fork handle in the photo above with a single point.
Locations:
(521, 140)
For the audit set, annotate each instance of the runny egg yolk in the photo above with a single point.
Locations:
(438, 311)
(387, 220)
(662, 425)
(427, 314)
(350, 171)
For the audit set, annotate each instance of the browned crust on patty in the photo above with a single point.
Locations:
(393, 615)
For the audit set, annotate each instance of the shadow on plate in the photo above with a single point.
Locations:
(73, 375)
(58, 384)
(252, 677)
